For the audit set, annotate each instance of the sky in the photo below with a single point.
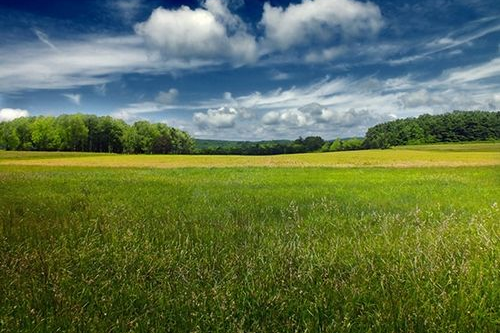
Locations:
(250, 69)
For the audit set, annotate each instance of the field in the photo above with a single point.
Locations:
(471, 154)
(399, 240)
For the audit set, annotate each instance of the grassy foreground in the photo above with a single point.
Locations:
(249, 249)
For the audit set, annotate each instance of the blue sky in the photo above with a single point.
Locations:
(250, 69)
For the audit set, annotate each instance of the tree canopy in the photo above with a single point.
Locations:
(90, 133)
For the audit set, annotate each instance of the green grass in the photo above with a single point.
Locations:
(249, 249)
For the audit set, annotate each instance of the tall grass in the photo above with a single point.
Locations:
(250, 250)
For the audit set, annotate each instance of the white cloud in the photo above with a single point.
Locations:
(11, 114)
(167, 97)
(490, 69)
(162, 102)
(319, 20)
(134, 111)
(314, 114)
(279, 76)
(168, 42)
(203, 33)
(94, 60)
(326, 54)
(347, 107)
(224, 117)
(74, 98)
(422, 97)
(461, 37)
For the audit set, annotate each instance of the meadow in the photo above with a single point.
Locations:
(470, 154)
(398, 240)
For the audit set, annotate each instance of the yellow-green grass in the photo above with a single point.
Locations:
(489, 146)
(249, 249)
(485, 154)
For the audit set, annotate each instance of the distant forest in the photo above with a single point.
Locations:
(456, 126)
(90, 133)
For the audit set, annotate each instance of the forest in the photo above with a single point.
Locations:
(456, 126)
(90, 133)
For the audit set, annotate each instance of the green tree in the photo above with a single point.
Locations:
(23, 130)
(9, 139)
(147, 134)
(44, 134)
(336, 145)
(73, 132)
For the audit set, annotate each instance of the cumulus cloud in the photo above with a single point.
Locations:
(314, 114)
(167, 97)
(202, 33)
(173, 40)
(319, 20)
(11, 114)
(74, 98)
(345, 106)
(224, 117)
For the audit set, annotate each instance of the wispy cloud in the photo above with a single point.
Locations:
(100, 89)
(74, 98)
(44, 38)
(125, 9)
(94, 60)
(471, 32)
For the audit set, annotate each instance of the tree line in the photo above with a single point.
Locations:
(449, 127)
(300, 145)
(90, 133)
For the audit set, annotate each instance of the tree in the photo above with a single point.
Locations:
(146, 136)
(73, 132)
(109, 134)
(313, 143)
(352, 144)
(9, 139)
(23, 131)
(336, 145)
(44, 134)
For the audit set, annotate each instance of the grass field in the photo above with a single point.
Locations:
(408, 244)
(479, 154)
